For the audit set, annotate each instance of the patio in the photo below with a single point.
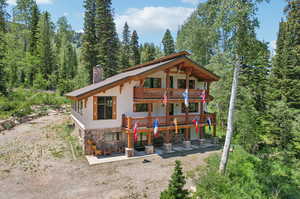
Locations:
(197, 146)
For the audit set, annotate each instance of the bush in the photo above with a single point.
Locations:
(246, 177)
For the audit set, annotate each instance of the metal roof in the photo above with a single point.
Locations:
(116, 78)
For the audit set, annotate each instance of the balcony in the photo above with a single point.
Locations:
(167, 122)
(173, 93)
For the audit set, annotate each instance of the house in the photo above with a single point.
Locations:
(118, 114)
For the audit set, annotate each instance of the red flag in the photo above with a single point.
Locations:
(196, 125)
(135, 132)
(203, 96)
(165, 100)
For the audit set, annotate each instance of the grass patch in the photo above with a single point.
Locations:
(64, 131)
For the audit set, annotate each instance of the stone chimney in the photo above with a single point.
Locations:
(97, 74)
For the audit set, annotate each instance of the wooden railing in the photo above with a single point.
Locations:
(173, 93)
(128, 122)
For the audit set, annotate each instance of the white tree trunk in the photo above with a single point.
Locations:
(230, 119)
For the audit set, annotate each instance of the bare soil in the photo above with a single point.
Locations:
(36, 162)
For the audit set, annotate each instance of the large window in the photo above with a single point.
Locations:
(141, 108)
(105, 108)
(193, 108)
(152, 83)
(181, 84)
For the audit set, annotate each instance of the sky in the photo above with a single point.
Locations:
(150, 18)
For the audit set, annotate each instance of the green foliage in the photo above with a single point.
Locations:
(20, 101)
(176, 189)
(107, 38)
(149, 52)
(168, 43)
(89, 50)
(135, 55)
(125, 50)
(247, 177)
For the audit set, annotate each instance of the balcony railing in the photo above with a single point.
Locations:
(165, 121)
(173, 93)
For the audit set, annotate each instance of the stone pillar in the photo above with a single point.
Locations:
(168, 147)
(149, 149)
(187, 144)
(129, 152)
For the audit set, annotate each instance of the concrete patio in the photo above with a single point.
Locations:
(177, 150)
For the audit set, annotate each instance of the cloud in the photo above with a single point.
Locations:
(194, 2)
(152, 20)
(13, 2)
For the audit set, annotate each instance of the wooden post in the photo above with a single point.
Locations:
(167, 105)
(149, 136)
(187, 131)
(129, 134)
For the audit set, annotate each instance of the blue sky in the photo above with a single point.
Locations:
(151, 17)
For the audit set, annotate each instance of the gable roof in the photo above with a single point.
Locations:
(141, 71)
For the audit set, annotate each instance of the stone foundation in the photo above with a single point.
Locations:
(187, 144)
(129, 152)
(149, 149)
(104, 140)
(168, 147)
(215, 140)
(202, 141)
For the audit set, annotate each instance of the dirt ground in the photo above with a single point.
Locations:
(36, 162)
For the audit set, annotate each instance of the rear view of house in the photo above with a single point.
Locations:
(156, 104)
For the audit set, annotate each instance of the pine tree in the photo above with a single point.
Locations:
(44, 46)
(148, 52)
(107, 38)
(89, 51)
(168, 43)
(22, 11)
(176, 189)
(135, 49)
(2, 47)
(125, 51)
(34, 20)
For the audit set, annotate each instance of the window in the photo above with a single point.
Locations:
(141, 108)
(152, 83)
(77, 106)
(181, 83)
(193, 107)
(105, 108)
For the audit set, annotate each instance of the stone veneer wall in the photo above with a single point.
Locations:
(97, 137)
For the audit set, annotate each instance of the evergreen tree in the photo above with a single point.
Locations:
(168, 43)
(135, 49)
(22, 12)
(148, 52)
(125, 51)
(2, 47)
(34, 20)
(44, 46)
(89, 51)
(107, 38)
(176, 189)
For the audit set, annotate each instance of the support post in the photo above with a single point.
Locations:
(129, 151)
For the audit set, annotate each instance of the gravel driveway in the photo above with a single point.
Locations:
(35, 162)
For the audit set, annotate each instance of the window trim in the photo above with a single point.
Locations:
(151, 86)
(96, 110)
(191, 80)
